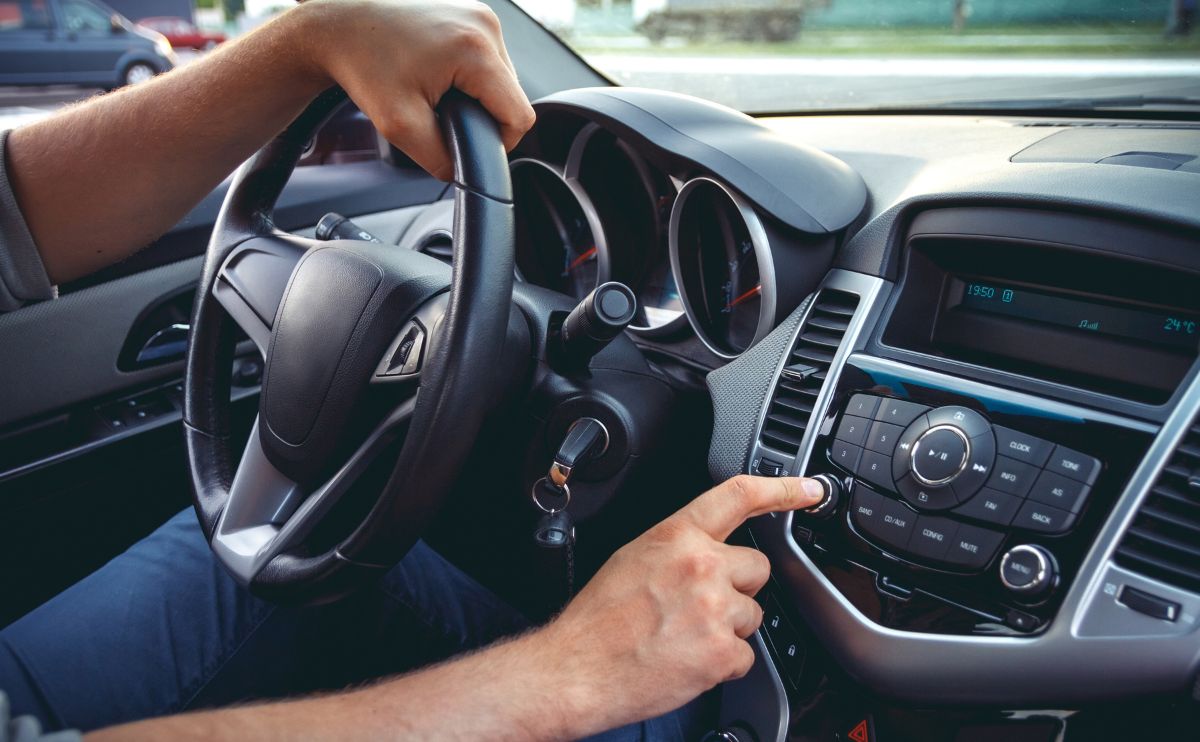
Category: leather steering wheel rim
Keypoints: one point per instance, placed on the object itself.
(454, 392)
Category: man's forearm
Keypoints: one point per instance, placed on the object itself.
(519, 689)
(103, 179)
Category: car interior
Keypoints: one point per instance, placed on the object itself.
(978, 329)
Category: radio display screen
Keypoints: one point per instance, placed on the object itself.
(1174, 329)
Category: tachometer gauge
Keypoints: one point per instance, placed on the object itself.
(558, 239)
(633, 201)
(722, 261)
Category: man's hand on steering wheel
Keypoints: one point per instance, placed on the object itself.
(396, 59)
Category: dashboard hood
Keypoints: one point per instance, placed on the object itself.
(801, 186)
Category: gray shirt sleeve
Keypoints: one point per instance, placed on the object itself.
(22, 276)
(27, 729)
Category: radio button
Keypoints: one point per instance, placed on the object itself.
(991, 506)
(1077, 466)
(864, 509)
(895, 526)
(973, 547)
(904, 446)
(925, 498)
(932, 537)
(882, 437)
(853, 429)
(845, 455)
(1057, 490)
(1011, 476)
(979, 466)
(876, 468)
(969, 421)
(862, 405)
(1017, 445)
(939, 455)
(1035, 516)
(899, 412)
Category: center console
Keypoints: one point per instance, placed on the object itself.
(1006, 436)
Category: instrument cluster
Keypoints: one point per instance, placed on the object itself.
(694, 251)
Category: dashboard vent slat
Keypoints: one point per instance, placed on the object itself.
(1163, 542)
(806, 370)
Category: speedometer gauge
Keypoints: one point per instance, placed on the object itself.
(722, 261)
(558, 239)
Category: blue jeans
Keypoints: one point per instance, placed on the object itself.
(163, 629)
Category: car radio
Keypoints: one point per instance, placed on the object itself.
(960, 496)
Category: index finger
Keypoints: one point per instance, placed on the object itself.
(725, 507)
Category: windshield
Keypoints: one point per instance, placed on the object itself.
(801, 55)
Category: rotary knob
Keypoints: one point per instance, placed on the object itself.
(828, 504)
(1028, 570)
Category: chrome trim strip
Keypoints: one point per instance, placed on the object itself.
(762, 254)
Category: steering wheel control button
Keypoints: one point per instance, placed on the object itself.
(1027, 570)
(1012, 476)
(876, 468)
(1035, 516)
(1059, 491)
(1017, 445)
(924, 497)
(845, 455)
(932, 537)
(404, 356)
(904, 446)
(939, 455)
(968, 421)
(882, 437)
(1077, 466)
(853, 430)
(1147, 604)
(899, 412)
(862, 405)
(973, 548)
(991, 506)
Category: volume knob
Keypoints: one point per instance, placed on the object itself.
(828, 504)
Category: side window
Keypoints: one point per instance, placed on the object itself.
(24, 15)
(83, 16)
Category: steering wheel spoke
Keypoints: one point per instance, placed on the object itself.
(268, 512)
(253, 280)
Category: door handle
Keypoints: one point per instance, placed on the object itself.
(168, 343)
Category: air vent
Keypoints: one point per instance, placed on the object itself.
(1163, 541)
(806, 369)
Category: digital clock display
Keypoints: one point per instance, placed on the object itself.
(1175, 329)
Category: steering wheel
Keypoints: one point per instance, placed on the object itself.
(342, 325)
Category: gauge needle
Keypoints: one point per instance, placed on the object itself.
(748, 295)
(581, 260)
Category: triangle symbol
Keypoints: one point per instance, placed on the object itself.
(859, 732)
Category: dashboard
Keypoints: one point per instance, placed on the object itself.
(987, 348)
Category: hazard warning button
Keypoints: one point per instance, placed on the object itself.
(861, 732)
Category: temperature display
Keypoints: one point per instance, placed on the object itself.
(1177, 329)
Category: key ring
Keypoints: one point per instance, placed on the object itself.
(564, 490)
